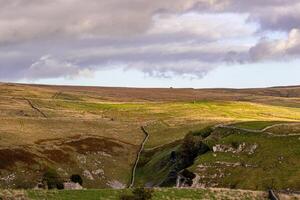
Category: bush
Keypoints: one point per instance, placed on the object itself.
(52, 179)
(60, 186)
(235, 145)
(191, 147)
(75, 178)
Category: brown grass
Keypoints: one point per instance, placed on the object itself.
(89, 145)
(9, 157)
(275, 96)
(58, 156)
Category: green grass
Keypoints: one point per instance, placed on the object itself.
(150, 171)
(181, 112)
(256, 125)
(274, 164)
(159, 194)
(162, 133)
(75, 194)
(285, 129)
(67, 96)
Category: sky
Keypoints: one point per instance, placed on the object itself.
(142, 43)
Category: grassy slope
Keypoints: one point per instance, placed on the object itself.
(115, 113)
(275, 163)
(256, 125)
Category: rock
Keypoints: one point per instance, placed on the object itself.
(98, 171)
(116, 184)
(88, 175)
(72, 186)
(252, 149)
(81, 159)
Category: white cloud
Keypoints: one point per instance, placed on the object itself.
(278, 49)
(50, 67)
(207, 26)
(163, 38)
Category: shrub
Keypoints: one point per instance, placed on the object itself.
(75, 178)
(235, 144)
(191, 147)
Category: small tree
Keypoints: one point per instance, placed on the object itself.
(52, 179)
(191, 147)
(75, 178)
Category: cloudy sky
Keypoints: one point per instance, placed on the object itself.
(151, 43)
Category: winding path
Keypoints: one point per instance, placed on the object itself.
(258, 131)
(138, 157)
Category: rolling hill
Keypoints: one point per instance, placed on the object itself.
(253, 142)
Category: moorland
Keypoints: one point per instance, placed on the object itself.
(244, 140)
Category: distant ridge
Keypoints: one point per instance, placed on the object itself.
(280, 95)
(179, 88)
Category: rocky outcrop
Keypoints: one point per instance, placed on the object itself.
(243, 147)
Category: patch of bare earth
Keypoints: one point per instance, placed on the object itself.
(87, 145)
(9, 157)
(58, 156)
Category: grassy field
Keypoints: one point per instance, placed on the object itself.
(96, 132)
(158, 194)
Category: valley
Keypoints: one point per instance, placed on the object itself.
(245, 139)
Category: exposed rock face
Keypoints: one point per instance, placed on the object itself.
(88, 174)
(116, 184)
(252, 149)
(98, 172)
(8, 178)
(196, 181)
(185, 178)
(243, 147)
(184, 157)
